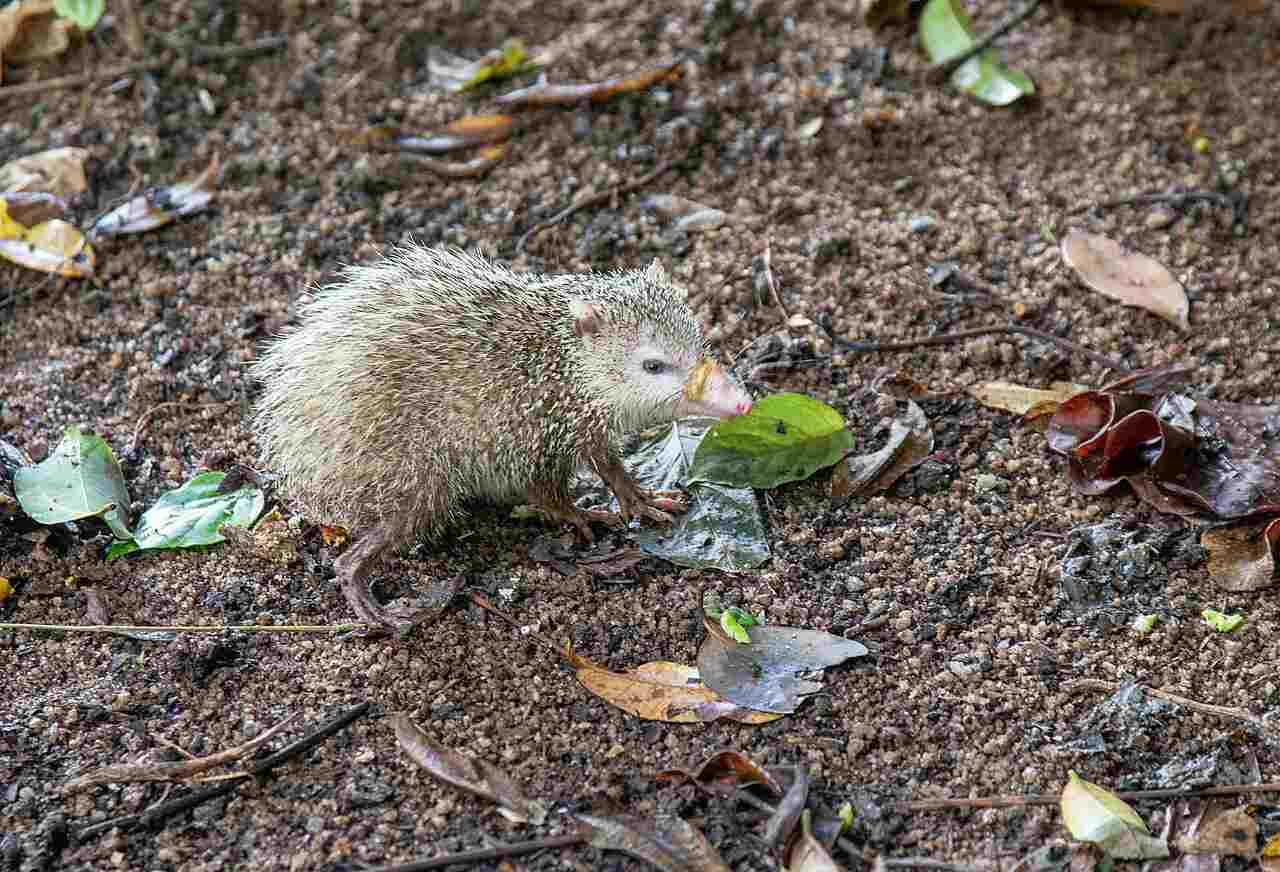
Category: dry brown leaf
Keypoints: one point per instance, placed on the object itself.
(472, 774)
(1231, 832)
(54, 247)
(724, 773)
(1019, 399)
(909, 444)
(595, 92)
(1127, 276)
(1243, 558)
(465, 132)
(486, 159)
(29, 208)
(31, 30)
(660, 691)
(671, 844)
(58, 171)
(156, 207)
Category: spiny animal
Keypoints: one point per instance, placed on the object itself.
(433, 377)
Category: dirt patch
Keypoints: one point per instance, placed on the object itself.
(973, 642)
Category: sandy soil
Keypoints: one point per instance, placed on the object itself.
(974, 643)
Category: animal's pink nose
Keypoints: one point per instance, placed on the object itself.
(744, 407)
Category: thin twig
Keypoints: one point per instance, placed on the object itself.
(1238, 203)
(187, 628)
(599, 196)
(942, 70)
(198, 55)
(947, 338)
(158, 813)
(1030, 799)
(481, 855)
(926, 863)
(1085, 684)
(180, 771)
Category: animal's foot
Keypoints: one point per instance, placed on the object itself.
(353, 569)
(581, 519)
(637, 502)
(398, 618)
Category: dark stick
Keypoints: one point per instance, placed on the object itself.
(947, 338)
(624, 188)
(158, 813)
(198, 54)
(942, 70)
(1054, 798)
(482, 854)
(1237, 203)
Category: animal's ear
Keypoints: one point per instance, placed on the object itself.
(588, 318)
(655, 273)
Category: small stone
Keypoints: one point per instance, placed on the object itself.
(159, 289)
(921, 224)
(1238, 135)
(1158, 219)
(987, 483)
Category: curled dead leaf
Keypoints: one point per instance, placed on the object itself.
(594, 92)
(1127, 276)
(1019, 399)
(724, 772)
(53, 247)
(660, 691)
(31, 30)
(471, 774)
(57, 171)
(1243, 558)
(157, 206)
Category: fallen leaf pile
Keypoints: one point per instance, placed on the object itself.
(1198, 458)
(35, 191)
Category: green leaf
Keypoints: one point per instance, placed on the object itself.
(85, 13)
(1144, 624)
(735, 622)
(1223, 623)
(944, 31)
(510, 63)
(1094, 814)
(786, 437)
(192, 515)
(80, 479)
(735, 631)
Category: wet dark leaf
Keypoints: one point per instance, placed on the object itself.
(766, 675)
(724, 773)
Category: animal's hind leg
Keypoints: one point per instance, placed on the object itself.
(353, 570)
(555, 506)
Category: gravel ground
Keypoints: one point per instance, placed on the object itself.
(974, 642)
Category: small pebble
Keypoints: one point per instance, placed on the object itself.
(922, 224)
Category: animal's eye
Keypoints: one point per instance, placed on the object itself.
(654, 366)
